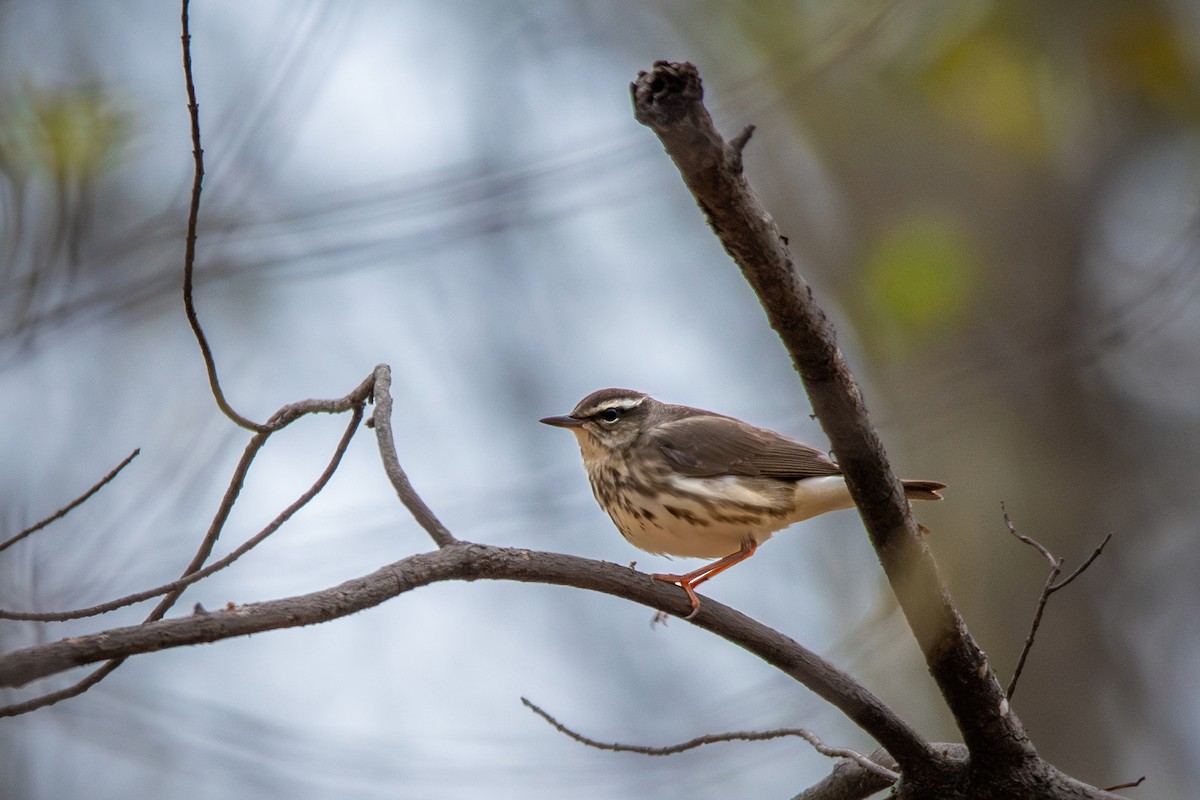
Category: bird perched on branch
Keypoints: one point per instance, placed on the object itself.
(682, 481)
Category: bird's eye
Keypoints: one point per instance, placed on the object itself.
(610, 415)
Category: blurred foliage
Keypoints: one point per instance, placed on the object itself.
(921, 278)
(991, 84)
(70, 134)
(56, 144)
(1146, 53)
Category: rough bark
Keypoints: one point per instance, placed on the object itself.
(669, 100)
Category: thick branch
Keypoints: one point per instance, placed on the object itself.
(464, 561)
(668, 99)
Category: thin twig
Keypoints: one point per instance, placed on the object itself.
(1050, 588)
(382, 421)
(293, 411)
(74, 690)
(739, 142)
(193, 571)
(699, 741)
(216, 566)
(189, 256)
(1095, 554)
(1128, 785)
(279, 419)
(232, 491)
(83, 498)
(1031, 542)
(1033, 629)
(164, 605)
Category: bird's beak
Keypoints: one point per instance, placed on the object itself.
(562, 422)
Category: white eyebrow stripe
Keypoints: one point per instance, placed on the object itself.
(625, 403)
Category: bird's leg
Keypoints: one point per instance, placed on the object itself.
(689, 581)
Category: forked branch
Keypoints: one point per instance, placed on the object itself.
(195, 570)
(223, 511)
(1052, 586)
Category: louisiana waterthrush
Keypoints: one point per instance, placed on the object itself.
(681, 481)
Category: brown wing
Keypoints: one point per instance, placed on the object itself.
(707, 445)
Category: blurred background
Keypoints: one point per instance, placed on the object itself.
(997, 203)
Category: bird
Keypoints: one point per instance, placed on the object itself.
(682, 481)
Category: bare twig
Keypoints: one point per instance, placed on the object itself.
(1027, 540)
(189, 256)
(216, 566)
(699, 741)
(224, 509)
(293, 411)
(74, 690)
(1050, 588)
(739, 142)
(193, 572)
(164, 605)
(279, 419)
(62, 512)
(1087, 563)
(1129, 785)
(847, 781)
(382, 421)
(1033, 629)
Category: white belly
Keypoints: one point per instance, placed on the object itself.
(712, 517)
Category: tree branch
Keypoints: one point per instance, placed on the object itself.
(467, 561)
(189, 254)
(1127, 784)
(713, 738)
(194, 571)
(668, 99)
(851, 780)
(1050, 588)
(69, 507)
(382, 422)
(200, 574)
(74, 690)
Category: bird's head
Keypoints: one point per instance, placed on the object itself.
(607, 421)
